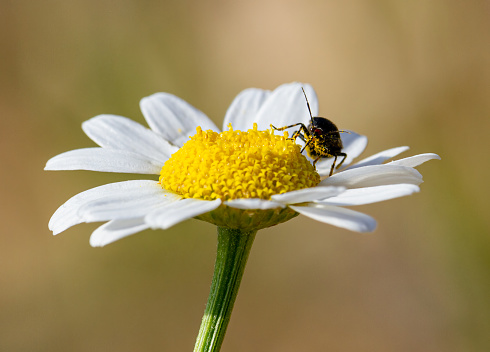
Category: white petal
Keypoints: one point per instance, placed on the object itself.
(374, 175)
(380, 157)
(115, 230)
(174, 118)
(415, 160)
(108, 160)
(340, 217)
(367, 195)
(253, 203)
(67, 215)
(286, 105)
(307, 194)
(117, 132)
(243, 110)
(353, 145)
(125, 205)
(169, 215)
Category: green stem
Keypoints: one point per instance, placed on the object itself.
(232, 254)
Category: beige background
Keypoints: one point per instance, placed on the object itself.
(402, 72)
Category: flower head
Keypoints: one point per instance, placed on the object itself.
(247, 177)
(235, 164)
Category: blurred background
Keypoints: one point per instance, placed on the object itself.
(411, 73)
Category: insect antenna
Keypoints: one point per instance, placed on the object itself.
(339, 131)
(307, 104)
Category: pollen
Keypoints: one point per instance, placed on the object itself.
(235, 164)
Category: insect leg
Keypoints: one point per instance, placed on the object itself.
(295, 134)
(305, 136)
(345, 156)
(286, 127)
(301, 135)
(314, 162)
(298, 134)
(333, 165)
(307, 143)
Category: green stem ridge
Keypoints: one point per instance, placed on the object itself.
(233, 248)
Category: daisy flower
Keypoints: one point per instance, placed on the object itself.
(248, 177)
(213, 174)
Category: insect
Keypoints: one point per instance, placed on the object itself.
(321, 137)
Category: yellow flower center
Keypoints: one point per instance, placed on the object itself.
(236, 164)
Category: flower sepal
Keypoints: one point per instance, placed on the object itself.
(247, 219)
